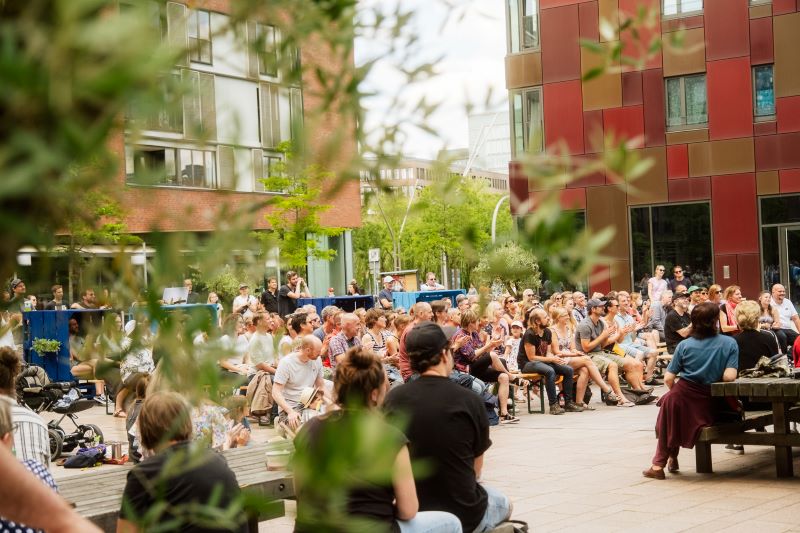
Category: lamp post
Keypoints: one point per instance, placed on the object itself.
(494, 216)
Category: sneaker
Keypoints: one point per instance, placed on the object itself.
(508, 418)
(736, 449)
(556, 409)
(100, 398)
(573, 407)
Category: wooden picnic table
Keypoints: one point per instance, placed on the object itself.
(98, 495)
(782, 393)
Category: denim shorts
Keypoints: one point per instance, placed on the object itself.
(498, 510)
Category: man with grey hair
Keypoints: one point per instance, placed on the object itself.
(789, 321)
(462, 302)
(420, 312)
(297, 371)
(329, 316)
(579, 312)
(345, 339)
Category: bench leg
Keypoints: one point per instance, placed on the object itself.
(702, 454)
(783, 454)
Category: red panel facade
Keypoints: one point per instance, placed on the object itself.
(632, 88)
(677, 161)
(625, 123)
(781, 7)
(761, 41)
(722, 261)
(544, 4)
(518, 186)
(790, 180)
(788, 113)
(654, 114)
(734, 215)
(686, 190)
(563, 116)
(589, 21)
(749, 275)
(593, 131)
(727, 24)
(561, 55)
(774, 152)
(765, 128)
(730, 97)
(629, 9)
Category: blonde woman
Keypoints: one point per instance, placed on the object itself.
(715, 294)
(657, 284)
(563, 345)
(727, 310)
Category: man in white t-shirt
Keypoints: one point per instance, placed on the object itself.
(297, 371)
(261, 348)
(243, 301)
(790, 322)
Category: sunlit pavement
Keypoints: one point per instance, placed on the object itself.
(582, 472)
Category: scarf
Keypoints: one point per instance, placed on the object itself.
(730, 309)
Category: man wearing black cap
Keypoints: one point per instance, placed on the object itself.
(448, 433)
(678, 324)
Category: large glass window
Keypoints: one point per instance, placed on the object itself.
(763, 92)
(677, 234)
(199, 28)
(523, 25)
(686, 101)
(176, 167)
(526, 121)
(267, 38)
(673, 8)
(270, 170)
(169, 116)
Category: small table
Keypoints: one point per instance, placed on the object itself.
(782, 393)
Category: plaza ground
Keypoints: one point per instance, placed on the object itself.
(582, 472)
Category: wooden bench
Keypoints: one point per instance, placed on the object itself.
(98, 495)
(736, 433)
(537, 379)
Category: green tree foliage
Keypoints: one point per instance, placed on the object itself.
(294, 216)
(511, 265)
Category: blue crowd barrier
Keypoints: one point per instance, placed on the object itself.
(346, 303)
(407, 299)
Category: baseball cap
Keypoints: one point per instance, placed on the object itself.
(14, 283)
(517, 324)
(594, 302)
(388, 279)
(428, 338)
(243, 285)
(692, 289)
(680, 295)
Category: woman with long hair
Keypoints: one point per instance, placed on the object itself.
(657, 284)
(770, 320)
(360, 389)
(715, 294)
(727, 310)
(377, 338)
(702, 359)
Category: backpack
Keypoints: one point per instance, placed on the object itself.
(86, 457)
(638, 399)
(490, 403)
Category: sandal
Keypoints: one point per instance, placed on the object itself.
(587, 407)
(119, 413)
(625, 403)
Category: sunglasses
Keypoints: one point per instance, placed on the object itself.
(511, 301)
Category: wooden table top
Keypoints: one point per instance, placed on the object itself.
(768, 388)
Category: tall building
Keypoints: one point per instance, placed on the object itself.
(243, 107)
(719, 117)
(490, 141)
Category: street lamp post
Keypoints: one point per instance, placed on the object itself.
(494, 216)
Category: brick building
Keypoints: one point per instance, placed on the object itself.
(720, 118)
(243, 107)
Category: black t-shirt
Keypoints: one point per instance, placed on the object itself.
(753, 345)
(673, 283)
(53, 306)
(672, 323)
(270, 301)
(365, 498)
(541, 342)
(286, 305)
(193, 298)
(194, 478)
(447, 429)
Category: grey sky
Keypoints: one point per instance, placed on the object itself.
(470, 39)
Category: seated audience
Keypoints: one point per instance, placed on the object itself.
(790, 322)
(753, 343)
(378, 339)
(629, 341)
(448, 433)
(360, 388)
(678, 324)
(658, 313)
(172, 484)
(701, 360)
(727, 310)
(715, 294)
(770, 320)
(297, 371)
(347, 338)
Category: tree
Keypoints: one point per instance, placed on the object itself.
(295, 213)
(510, 264)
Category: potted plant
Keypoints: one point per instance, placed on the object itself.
(46, 346)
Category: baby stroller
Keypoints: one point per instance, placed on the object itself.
(38, 393)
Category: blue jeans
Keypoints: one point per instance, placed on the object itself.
(431, 522)
(549, 371)
(462, 378)
(498, 510)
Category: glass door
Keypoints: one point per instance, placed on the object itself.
(790, 261)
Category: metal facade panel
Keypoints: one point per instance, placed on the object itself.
(788, 113)
(625, 123)
(561, 55)
(685, 190)
(563, 116)
(732, 156)
(727, 24)
(761, 41)
(730, 98)
(787, 55)
(689, 58)
(677, 161)
(651, 187)
(523, 70)
(654, 113)
(632, 88)
(734, 214)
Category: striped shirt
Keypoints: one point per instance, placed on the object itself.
(31, 440)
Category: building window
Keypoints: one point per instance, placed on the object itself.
(169, 117)
(669, 235)
(280, 114)
(527, 133)
(174, 167)
(267, 39)
(679, 8)
(686, 102)
(271, 174)
(523, 25)
(199, 27)
(763, 92)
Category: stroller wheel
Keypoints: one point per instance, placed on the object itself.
(55, 444)
(89, 433)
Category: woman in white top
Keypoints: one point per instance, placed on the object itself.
(563, 345)
(657, 284)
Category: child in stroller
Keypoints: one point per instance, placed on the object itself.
(38, 393)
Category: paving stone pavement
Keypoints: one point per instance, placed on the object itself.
(582, 472)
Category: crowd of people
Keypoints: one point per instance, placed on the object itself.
(447, 369)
